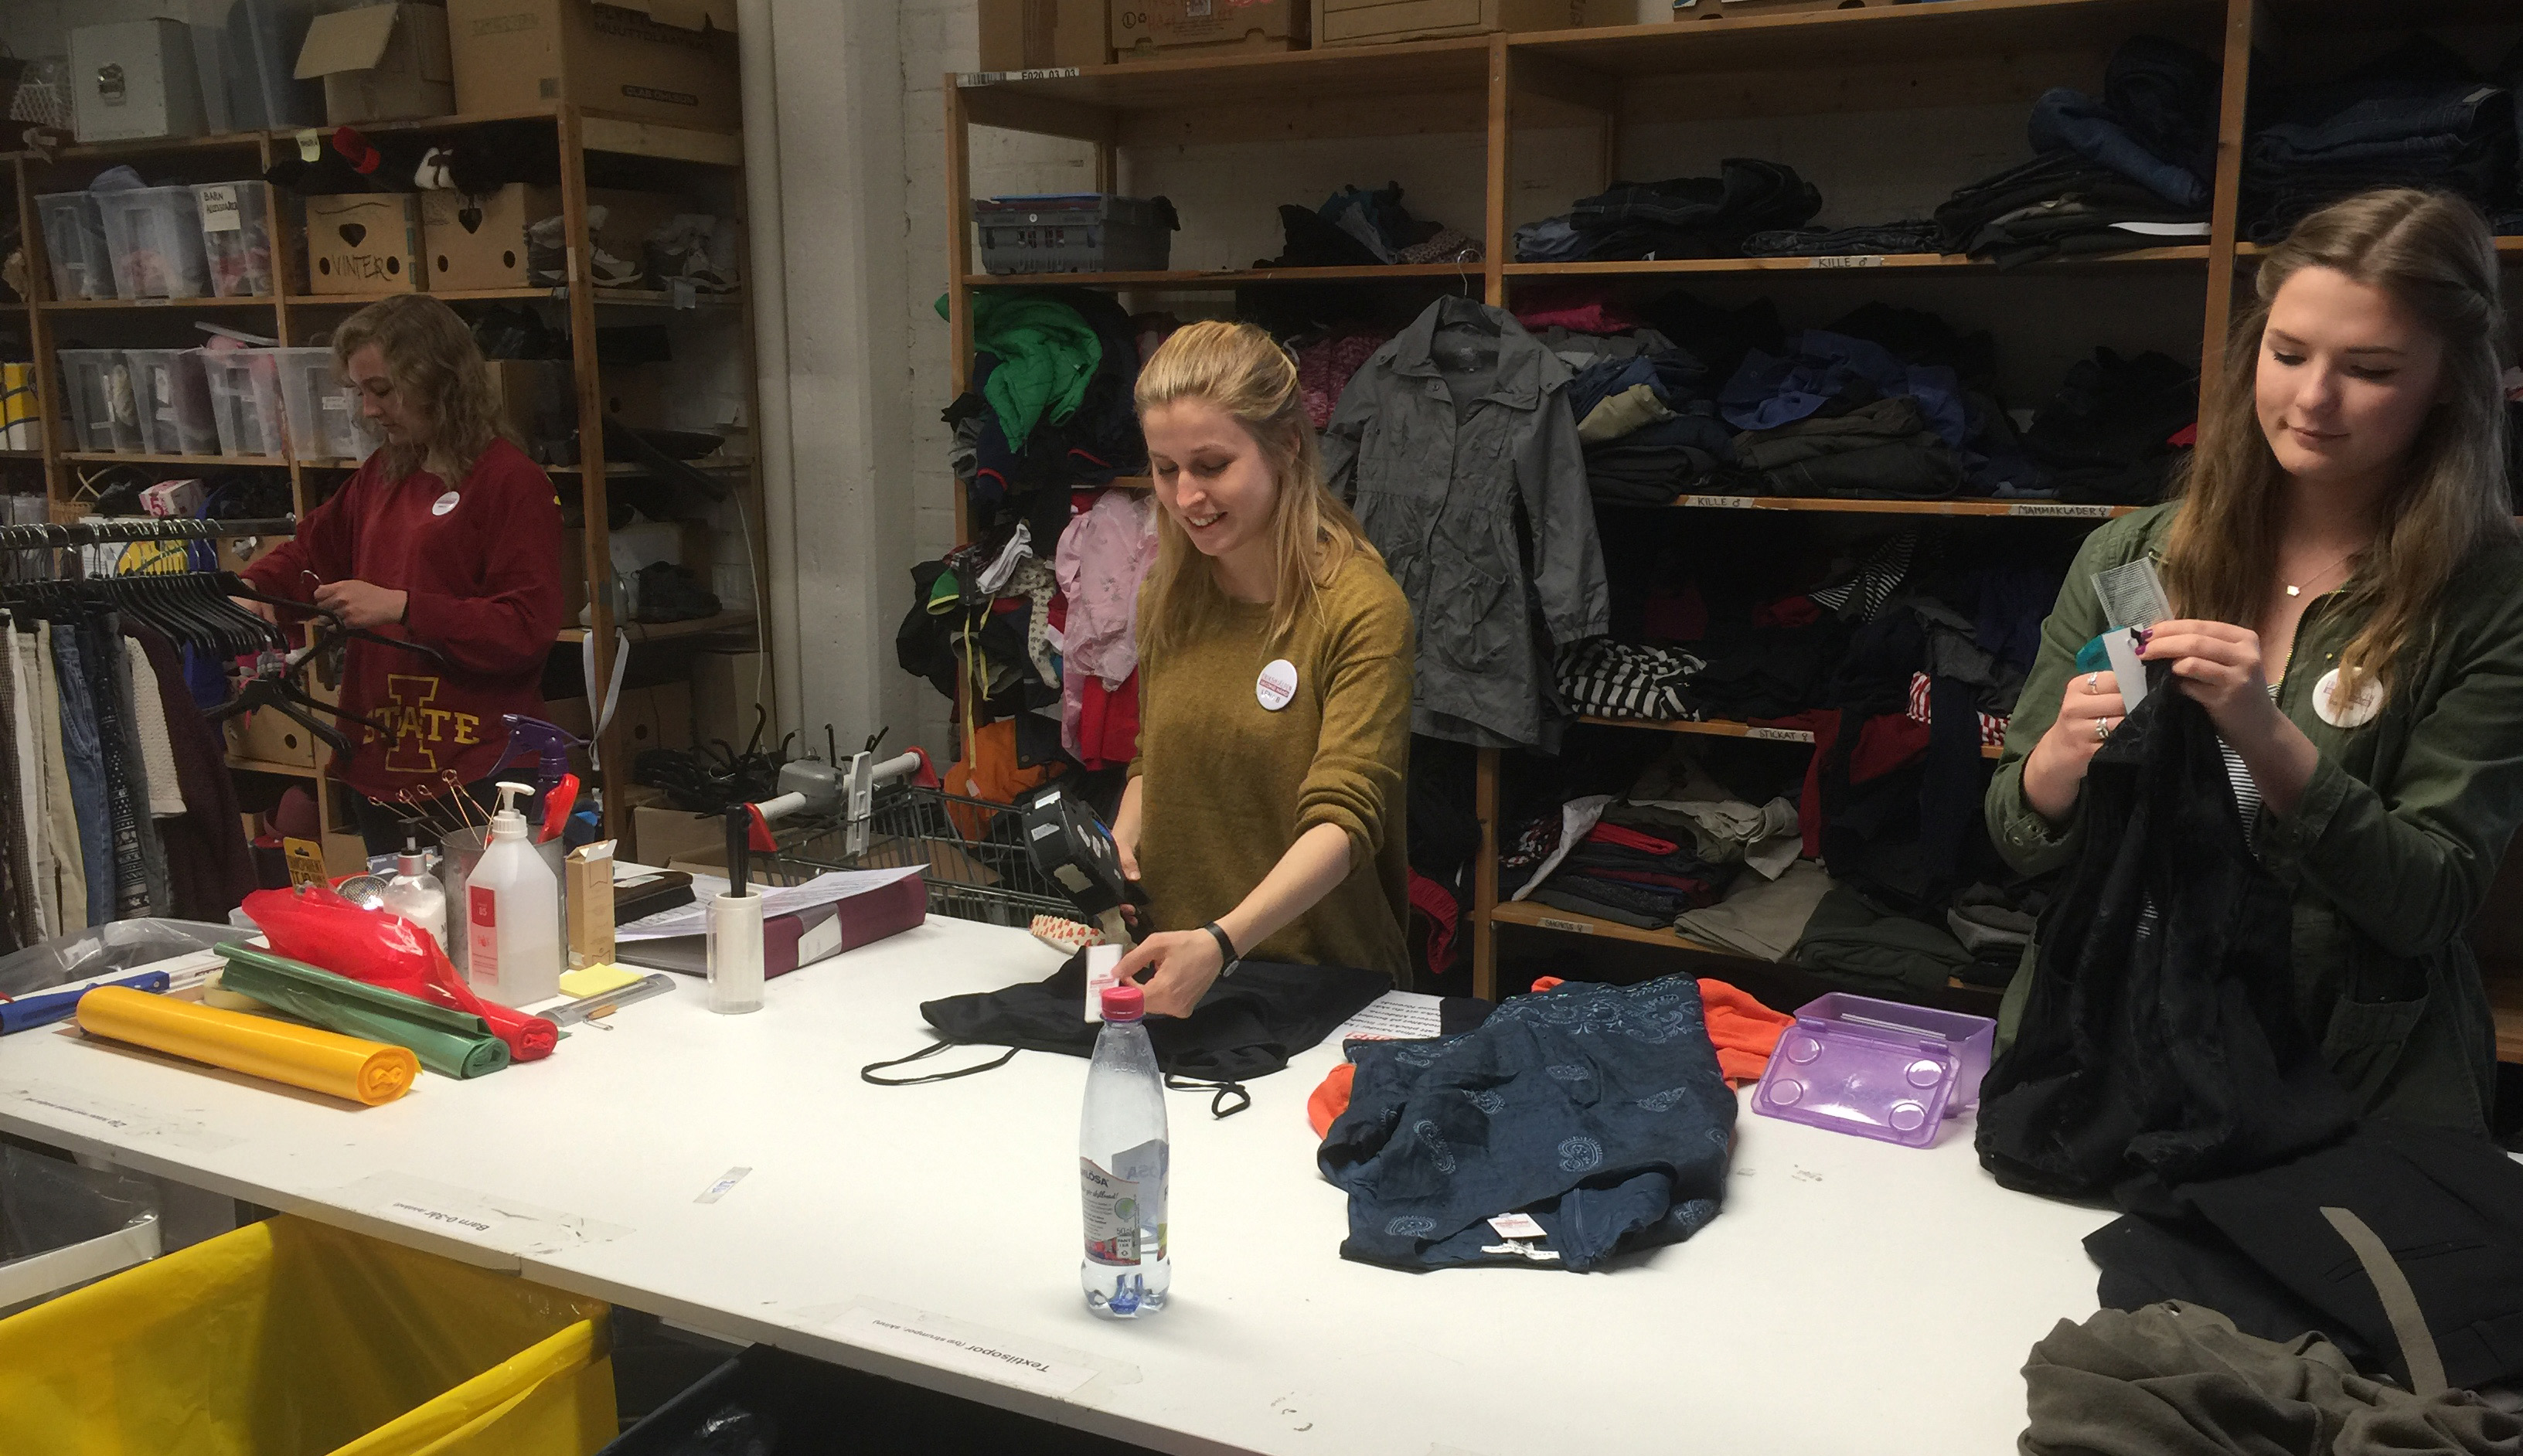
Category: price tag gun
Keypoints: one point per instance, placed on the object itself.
(1072, 846)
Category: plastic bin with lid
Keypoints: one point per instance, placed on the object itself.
(245, 400)
(105, 413)
(236, 236)
(323, 409)
(288, 1337)
(154, 235)
(173, 388)
(1075, 233)
(62, 1226)
(74, 245)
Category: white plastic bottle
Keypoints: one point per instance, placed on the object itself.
(1122, 1163)
(417, 895)
(512, 914)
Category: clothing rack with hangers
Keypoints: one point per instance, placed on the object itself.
(156, 528)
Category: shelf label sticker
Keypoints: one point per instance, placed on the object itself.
(1547, 923)
(79, 1112)
(480, 1218)
(2049, 508)
(968, 80)
(1847, 261)
(945, 1343)
(1780, 734)
(1722, 502)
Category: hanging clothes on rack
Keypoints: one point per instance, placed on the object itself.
(1465, 385)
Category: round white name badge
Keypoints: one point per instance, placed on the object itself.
(1277, 685)
(443, 503)
(2369, 701)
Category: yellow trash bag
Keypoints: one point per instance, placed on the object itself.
(290, 1338)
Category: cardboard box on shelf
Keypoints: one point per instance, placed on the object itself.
(480, 242)
(1043, 35)
(659, 716)
(670, 61)
(724, 687)
(661, 835)
(636, 394)
(135, 80)
(1377, 22)
(536, 399)
(364, 242)
(270, 736)
(1158, 30)
(380, 63)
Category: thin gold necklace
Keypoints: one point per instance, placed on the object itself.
(2295, 590)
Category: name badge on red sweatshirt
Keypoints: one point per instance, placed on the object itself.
(444, 503)
(1277, 685)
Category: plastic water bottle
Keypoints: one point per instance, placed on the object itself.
(1122, 1162)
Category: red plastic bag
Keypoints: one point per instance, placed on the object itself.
(316, 925)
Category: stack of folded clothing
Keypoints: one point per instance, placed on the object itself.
(1354, 228)
(1883, 450)
(2415, 117)
(1679, 217)
(1632, 874)
(1677, 795)
(1996, 926)
(2107, 436)
(1753, 673)
(1909, 235)
(2131, 170)
(1825, 373)
(1647, 432)
(1626, 680)
(1759, 919)
(1049, 407)
(1853, 941)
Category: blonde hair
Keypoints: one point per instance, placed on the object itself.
(1243, 371)
(2432, 252)
(436, 367)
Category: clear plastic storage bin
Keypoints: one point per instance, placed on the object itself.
(173, 388)
(236, 236)
(155, 237)
(105, 412)
(74, 243)
(323, 408)
(245, 400)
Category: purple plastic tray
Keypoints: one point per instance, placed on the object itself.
(1875, 1069)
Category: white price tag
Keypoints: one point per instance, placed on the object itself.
(1518, 1225)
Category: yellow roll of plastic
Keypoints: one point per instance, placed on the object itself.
(342, 1067)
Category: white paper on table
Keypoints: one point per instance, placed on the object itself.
(828, 888)
(1394, 1016)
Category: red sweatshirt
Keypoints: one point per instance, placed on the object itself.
(483, 567)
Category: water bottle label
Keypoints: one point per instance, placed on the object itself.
(1111, 1215)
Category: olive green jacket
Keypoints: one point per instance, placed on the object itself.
(2390, 850)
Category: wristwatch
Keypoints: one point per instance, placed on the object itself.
(1227, 959)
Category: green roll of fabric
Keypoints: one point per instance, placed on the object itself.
(450, 1043)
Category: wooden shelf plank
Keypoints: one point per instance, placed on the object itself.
(1189, 278)
(661, 631)
(1718, 728)
(2018, 509)
(1845, 263)
(450, 295)
(2506, 1008)
(287, 771)
(229, 462)
(1877, 37)
(109, 305)
(656, 139)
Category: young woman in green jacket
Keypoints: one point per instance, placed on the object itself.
(2344, 560)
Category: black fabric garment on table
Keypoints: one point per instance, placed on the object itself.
(1597, 1109)
(2446, 1204)
(2164, 1043)
(209, 866)
(1249, 1024)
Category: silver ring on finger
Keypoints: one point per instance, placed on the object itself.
(2093, 681)
(2102, 728)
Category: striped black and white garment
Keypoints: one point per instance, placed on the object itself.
(1606, 678)
(1863, 591)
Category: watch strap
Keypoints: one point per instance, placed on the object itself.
(1227, 959)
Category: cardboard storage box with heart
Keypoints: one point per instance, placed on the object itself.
(480, 242)
(364, 242)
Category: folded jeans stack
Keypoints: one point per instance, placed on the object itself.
(1679, 218)
(1880, 449)
(2415, 117)
(1624, 873)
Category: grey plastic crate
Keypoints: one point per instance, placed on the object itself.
(1075, 233)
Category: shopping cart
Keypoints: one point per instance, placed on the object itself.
(971, 851)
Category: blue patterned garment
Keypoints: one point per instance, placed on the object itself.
(1598, 1111)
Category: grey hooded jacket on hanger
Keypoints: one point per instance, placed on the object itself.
(1442, 434)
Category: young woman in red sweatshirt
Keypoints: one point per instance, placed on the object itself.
(446, 534)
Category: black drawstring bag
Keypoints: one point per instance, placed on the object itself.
(1249, 1024)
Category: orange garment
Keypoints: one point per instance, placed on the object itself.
(1743, 1031)
(988, 772)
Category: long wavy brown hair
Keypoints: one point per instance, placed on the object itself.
(431, 357)
(1243, 371)
(2434, 254)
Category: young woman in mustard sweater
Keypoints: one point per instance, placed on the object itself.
(1264, 811)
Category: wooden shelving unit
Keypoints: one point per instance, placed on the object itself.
(693, 164)
(1494, 90)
